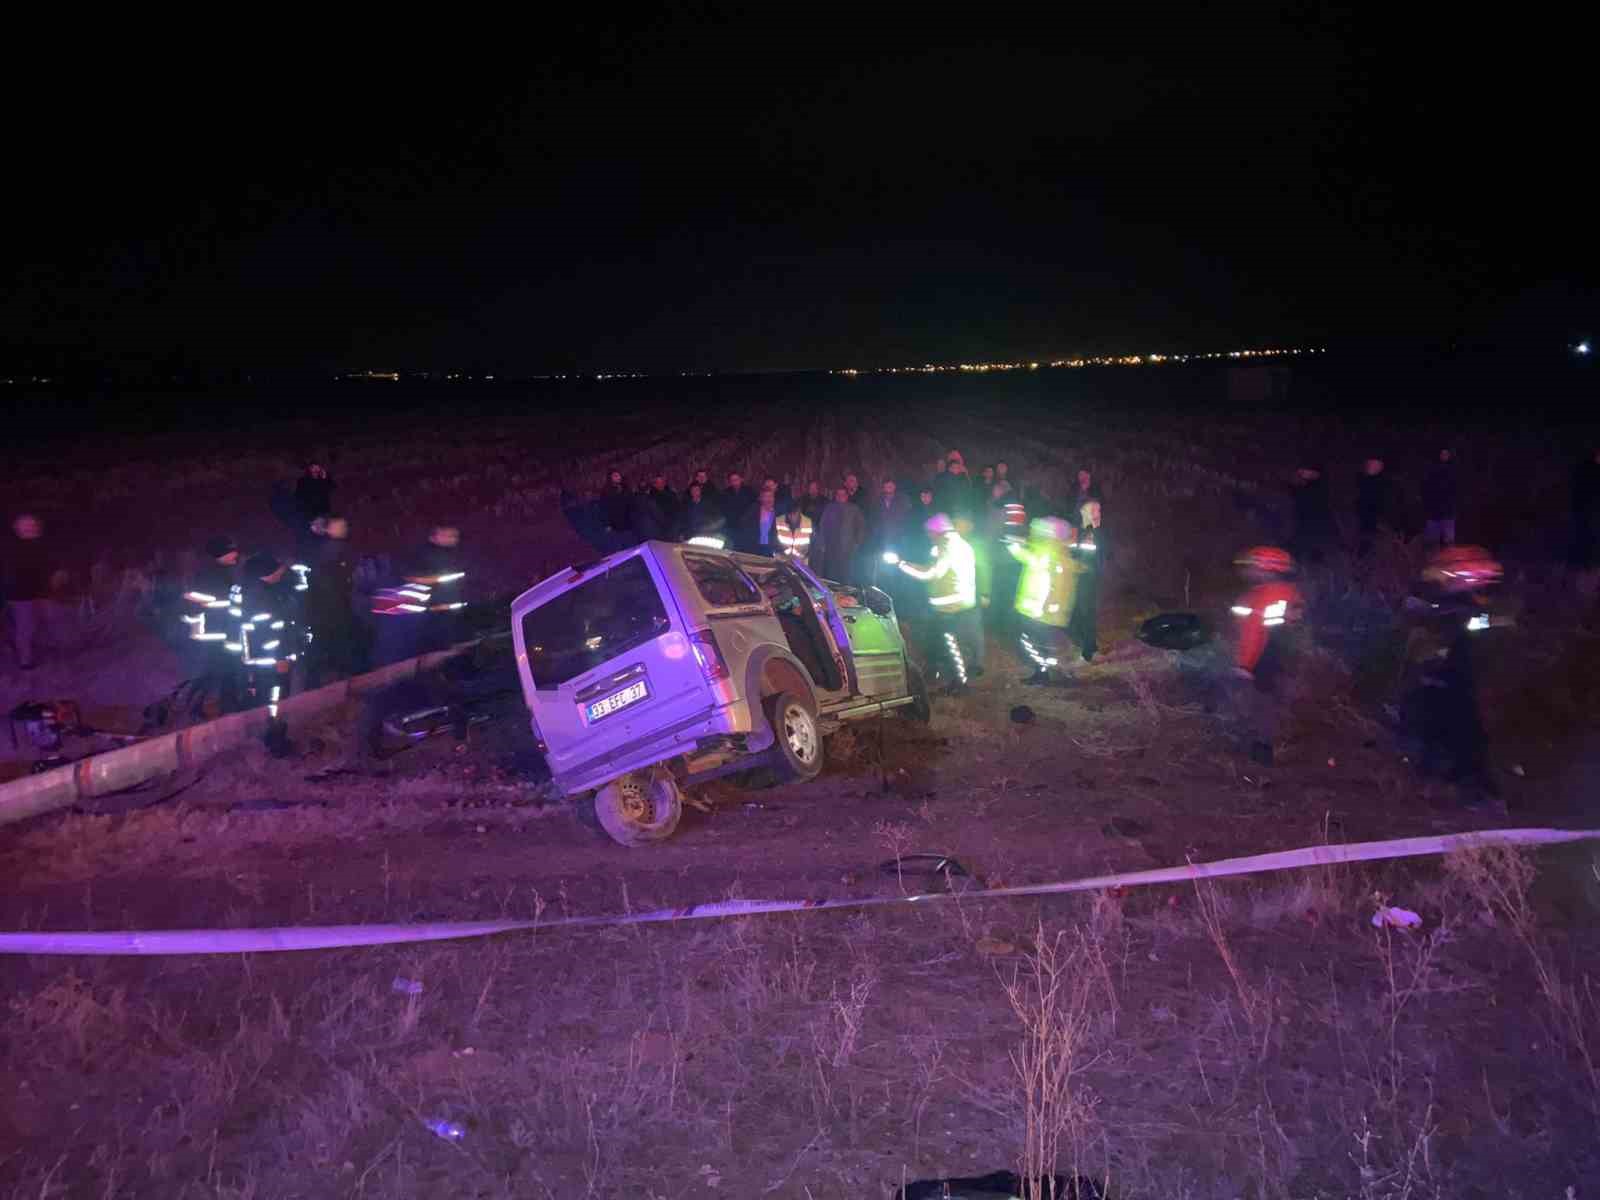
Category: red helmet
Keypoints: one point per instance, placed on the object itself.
(1269, 560)
(1461, 569)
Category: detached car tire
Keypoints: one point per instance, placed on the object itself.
(639, 809)
(797, 738)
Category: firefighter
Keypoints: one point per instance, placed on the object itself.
(438, 571)
(1441, 702)
(1261, 660)
(271, 631)
(421, 612)
(794, 531)
(212, 610)
(953, 600)
(1045, 597)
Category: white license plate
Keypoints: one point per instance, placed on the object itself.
(631, 694)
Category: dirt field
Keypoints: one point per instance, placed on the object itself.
(1252, 1039)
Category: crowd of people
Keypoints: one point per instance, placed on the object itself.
(966, 556)
(964, 536)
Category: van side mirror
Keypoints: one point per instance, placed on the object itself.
(877, 600)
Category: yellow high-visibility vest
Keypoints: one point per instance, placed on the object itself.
(795, 543)
(1049, 582)
(953, 578)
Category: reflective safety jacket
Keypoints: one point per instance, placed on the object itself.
(952, 578)
(433, 585)
(211, 605)
(1049, 583)
(268, 633)
(794, 542)
(1257, 613)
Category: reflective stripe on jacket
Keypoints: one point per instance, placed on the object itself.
(952, 579)
(796, 543)
(1258, 612)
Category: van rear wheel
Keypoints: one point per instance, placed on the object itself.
(639, 808)
(921, 707)
(797, 739)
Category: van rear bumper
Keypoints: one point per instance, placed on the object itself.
(678, 738)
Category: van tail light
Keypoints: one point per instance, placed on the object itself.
(708, 655)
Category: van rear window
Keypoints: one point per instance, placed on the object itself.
(590, 625)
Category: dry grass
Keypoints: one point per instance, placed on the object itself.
(1160, 1050)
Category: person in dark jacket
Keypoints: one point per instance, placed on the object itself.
(779, 490)
(313, 494)
(840, 535)
(29, 576)
(614, 503)
(924, 508)
(708, 490)
(887, 517)
(336, 650)
(813, 502)
(1084, 489)
(953, 490)
(757, 530)
(646, 518)
(737, 499)
(1586, 511)
(854, 490)
(700, 517)
(1372, 503)
(1313, 515)
(666, 500)
(1439, 500)
(1088, 551)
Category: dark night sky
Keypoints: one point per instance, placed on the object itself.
(697, 193)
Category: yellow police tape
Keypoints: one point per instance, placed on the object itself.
(327, 937)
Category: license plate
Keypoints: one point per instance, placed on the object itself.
(631, 694)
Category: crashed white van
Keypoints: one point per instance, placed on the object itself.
(666, 665)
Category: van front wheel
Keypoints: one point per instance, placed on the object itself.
(797, 743)
(639, 808)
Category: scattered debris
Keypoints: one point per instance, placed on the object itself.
(406, 987)
(992, 947)
(1174, 631)
(450, 1131)
(1396, 918)
(1022, 715)
(938, 865)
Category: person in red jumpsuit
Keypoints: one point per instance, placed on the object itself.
(1261, 666)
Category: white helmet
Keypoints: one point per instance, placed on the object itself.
(1090, 512)
(1054, 528)
(939, 524)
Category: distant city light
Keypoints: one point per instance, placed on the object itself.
(1118, 360)
(1582, 347)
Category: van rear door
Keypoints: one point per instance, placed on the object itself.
(609, 662)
